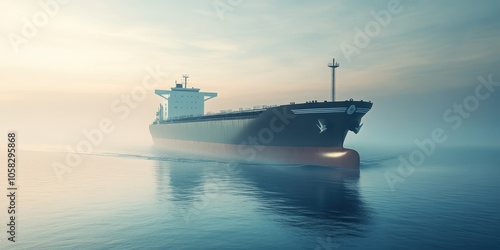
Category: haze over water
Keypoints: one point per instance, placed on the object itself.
(147, 199)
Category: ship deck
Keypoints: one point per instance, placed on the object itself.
(245, 114)
(253, 113)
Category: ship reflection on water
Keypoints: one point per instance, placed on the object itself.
(311, 197)
(324, 200)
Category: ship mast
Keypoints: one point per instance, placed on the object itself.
(185, 80)
(333, 65)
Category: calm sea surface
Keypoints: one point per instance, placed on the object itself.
(142, 198)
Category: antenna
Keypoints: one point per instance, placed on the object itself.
(185, 80)
(333, 65)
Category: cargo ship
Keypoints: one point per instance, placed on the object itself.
(309, 133)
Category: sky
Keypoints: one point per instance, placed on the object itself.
(65, 64)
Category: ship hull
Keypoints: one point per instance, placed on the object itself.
(306, 134)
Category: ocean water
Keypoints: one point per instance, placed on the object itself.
(146, 199)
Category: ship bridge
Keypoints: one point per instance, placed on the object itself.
(181, 101)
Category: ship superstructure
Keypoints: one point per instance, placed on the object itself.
(181, 101)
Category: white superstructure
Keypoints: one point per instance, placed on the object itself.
(181, 101)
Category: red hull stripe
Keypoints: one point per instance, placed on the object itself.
(320, 156)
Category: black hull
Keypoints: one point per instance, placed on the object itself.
(295, 133)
